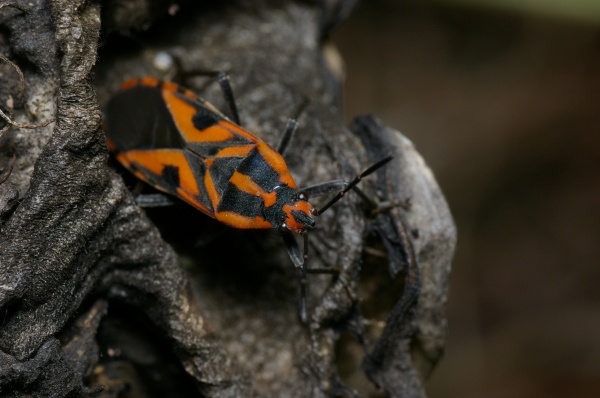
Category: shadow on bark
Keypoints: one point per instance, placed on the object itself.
(93, 297)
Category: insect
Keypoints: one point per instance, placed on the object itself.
(182, 145)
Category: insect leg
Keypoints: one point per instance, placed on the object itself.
(150, 199)
(225, 85)
(300, 261)
(286, 137)
(292, 124)
(182, 75)
(153, 200)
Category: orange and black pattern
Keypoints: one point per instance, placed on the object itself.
(182, 145)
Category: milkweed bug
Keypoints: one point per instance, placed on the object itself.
(182, 145)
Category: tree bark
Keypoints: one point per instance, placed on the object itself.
(98, 296)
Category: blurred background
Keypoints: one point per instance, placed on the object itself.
(502, 98)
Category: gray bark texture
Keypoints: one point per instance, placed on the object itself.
(101, 298)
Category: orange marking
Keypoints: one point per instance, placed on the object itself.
(237, 151)
(209, 184)
(155, 161)
(111, 145)
(246, 184)
(183, 113)
(149, 81)
(238, 221)
(129, 83)
(126, 162)
(214, 133)
(122, 158)
(291, 222)
(234, 128)
(190, 94)
(169, 86)
(300, 205)
(270, 199)
(276, 161)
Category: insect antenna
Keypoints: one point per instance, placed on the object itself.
(352, 184)
(301, 260)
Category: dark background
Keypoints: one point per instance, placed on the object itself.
(504, 104)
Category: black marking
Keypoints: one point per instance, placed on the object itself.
(241, 202)
(184, 92)
(221, 171)
(137, 118)
(248, 205)
(199, 169)
(210, 149)
(171, 176)
(259, 170)
(164, 181)
(204, 118)
(303, 219)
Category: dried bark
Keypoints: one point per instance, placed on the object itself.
(84, 271)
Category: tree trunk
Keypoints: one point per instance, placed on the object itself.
(100, 297)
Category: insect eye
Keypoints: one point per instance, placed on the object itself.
(302, 196)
